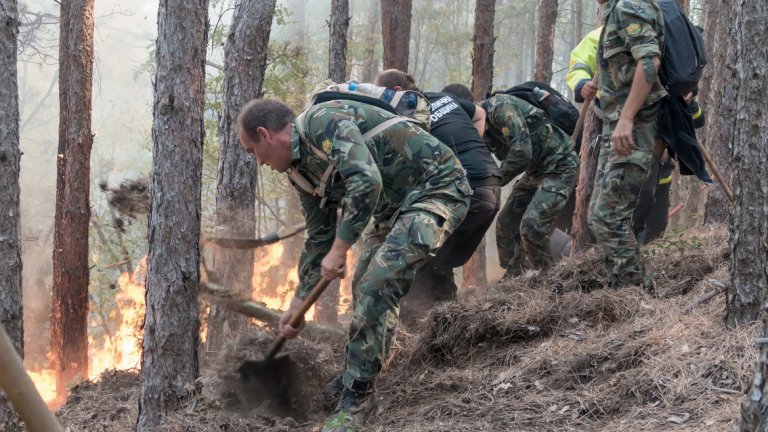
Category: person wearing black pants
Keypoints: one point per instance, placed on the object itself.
(459, 123)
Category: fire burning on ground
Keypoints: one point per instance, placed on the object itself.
(115, 339)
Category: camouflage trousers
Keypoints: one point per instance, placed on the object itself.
(526, 221)
(616, 192)
(390, 258)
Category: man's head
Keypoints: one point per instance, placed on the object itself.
(264, 127)
(458, 90)
(395, 79)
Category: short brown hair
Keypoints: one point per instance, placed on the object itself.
(392, 78)
(270, 114)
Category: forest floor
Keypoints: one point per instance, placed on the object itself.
(543, 352)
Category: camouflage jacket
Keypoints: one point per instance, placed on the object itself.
(401, 168)
(634, 32)
(520, 136)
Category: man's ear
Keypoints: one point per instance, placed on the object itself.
(398, 88)
(261, 133)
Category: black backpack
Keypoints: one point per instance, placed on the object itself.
(560, 111)
(684, 57)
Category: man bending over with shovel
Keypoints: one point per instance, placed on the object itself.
(373, 165)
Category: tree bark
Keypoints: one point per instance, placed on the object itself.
(169, 364)
(722, 100)
(578, 19)
(245, 62)
(11, 313)
(69, 326)
(483, 48)
(545, 41)
(327, 306)
(337, 43)
(396, 33)
(475, 270)
(581, 235)
(370, 64)
(749, 233)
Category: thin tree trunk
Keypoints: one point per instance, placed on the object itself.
(749, 233)
(531, 44)
(396, 33)
(370, 65)
(578, 19)
(722, 101)
(337, 42)
(245, 62)
(545, 41)
(483, 48)
(11, 313)
(169, 364)
(580, 236)
(475, 270)
(327, 307)
(693, 206)
(69, 326)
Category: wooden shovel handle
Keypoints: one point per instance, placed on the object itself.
(296, 319)
(715, 171)
(21, 391)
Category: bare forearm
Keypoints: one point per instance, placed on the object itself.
(641, 86)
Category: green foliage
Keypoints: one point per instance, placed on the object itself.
(674, 241)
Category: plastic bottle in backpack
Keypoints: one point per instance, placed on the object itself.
(385, 94)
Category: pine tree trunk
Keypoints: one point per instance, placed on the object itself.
(580, 235)
(475, 270)
(483, 48)
(245, 62)
(749, 235)
(578, 19)
(327, 307)
(722, 104)
(545, 41)
(531, 44)
(370, 64)
(337, 45)
(169, 365)
(69, 326)
(396, 33)
(11, 312)
(749, 232)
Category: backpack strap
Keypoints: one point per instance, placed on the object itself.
(384, 125)
(319, 190)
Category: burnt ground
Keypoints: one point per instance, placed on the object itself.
(542, 352)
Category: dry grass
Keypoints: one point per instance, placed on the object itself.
(543, 352)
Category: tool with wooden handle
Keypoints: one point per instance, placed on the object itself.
(252, 243)
(272, 367)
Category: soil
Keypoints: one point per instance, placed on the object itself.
(546, 351)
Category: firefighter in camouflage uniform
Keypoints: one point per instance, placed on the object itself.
(629, 55)
(522, 138)
(377, 167)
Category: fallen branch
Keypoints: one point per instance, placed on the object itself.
(222, 297)
(719, 287)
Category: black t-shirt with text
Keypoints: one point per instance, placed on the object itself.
(451, 123)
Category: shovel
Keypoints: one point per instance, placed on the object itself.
(272, 369)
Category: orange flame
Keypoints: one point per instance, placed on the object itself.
(45, 381)
(274, 281)
(121, 349)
